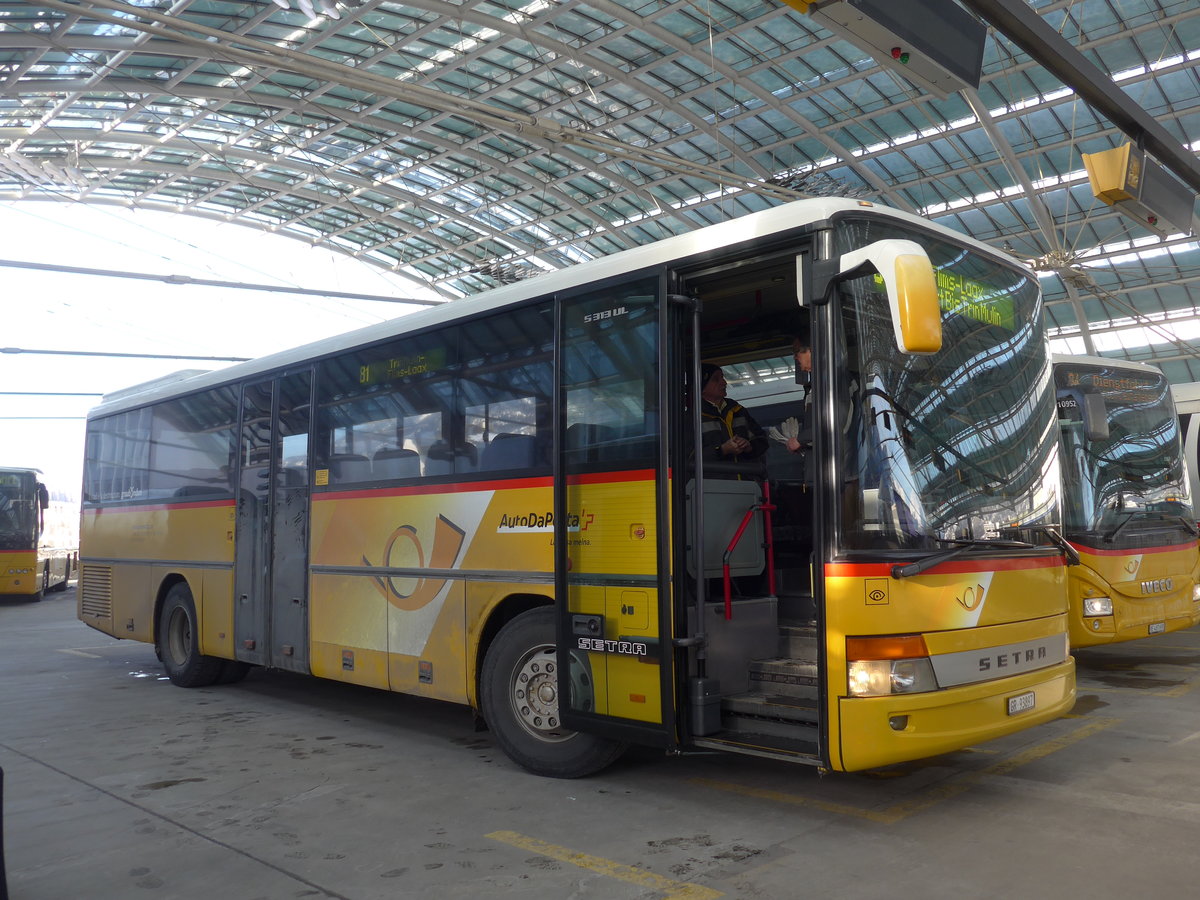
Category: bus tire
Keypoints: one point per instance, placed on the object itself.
(523, 655)
(232, 671)
(179, 641)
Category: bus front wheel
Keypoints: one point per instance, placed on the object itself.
(178, 643)
(519, 700)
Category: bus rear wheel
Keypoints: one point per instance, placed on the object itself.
(178, 641)
(519, 700)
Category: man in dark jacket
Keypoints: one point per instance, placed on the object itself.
(728, 432)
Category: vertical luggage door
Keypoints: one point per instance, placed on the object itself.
(271, 568)
(611, 530)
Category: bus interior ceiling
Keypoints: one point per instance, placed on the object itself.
(749, 310)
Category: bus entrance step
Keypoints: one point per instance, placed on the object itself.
(796, 678)
(798, 751)
(779, 720)
(750, 708)
(798, 640)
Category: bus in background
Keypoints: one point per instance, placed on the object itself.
(1127, 502)
(505, 502)
(1187, 404)
(38, 535)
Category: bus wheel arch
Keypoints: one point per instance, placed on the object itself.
(518, 694)
(503, 613)
(177, 637)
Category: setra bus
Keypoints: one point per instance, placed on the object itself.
(498, 502)
(1126, 499)
(37, 535)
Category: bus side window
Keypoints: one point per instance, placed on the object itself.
(396, 462)
(348, 467)
(509, 451)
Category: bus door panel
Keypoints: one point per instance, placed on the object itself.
(252, 547)
(610, 530)
(270, 571)
(289, 526)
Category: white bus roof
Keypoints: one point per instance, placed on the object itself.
(753, 226)
(1106, 361)
(1186, 394)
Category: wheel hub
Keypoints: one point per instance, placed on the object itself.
(535, 694)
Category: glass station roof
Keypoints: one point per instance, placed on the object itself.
(469, 144)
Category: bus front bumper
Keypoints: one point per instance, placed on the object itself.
(879, 731)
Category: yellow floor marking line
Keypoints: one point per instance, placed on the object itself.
(671, 890)
(951, 788)
(81, 653)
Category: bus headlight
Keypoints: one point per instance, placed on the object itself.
(878, 667)
(1196, 593)
(1097, 606)
(880, 677)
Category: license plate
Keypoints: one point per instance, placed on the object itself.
(1021, 703)
(1158, 627)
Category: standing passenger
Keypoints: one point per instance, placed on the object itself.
(727, 431)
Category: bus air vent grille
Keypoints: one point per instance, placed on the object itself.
(95, 591)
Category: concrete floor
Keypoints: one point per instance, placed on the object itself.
(119, 785)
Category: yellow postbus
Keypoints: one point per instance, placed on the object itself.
(37, 535)
(1127, 503)
(498, 502)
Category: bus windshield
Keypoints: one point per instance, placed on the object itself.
(1124, 481)
(18, 516)
(951, 446)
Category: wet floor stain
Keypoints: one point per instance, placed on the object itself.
(1087, 703)
(1138, 682)
(160, 785)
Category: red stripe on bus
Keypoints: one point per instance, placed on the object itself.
(951, 567)
(461, 487)
(1190, 546)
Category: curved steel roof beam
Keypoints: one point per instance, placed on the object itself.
(768, 99)
(563, 51)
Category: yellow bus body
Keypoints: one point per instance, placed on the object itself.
(27, 573)
(960, 608)
(156, 542)
(497, 537)
(1151, 591)
(396, 632)
(20, 572)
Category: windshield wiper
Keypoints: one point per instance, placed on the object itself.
(1112, 535)
(1058, 541)
(1188, 525)
(960, 547)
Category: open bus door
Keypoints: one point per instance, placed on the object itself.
(271, 609)
(612, 533)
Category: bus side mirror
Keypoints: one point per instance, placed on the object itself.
(911, 290)
(43, 496)
(1095, 417)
